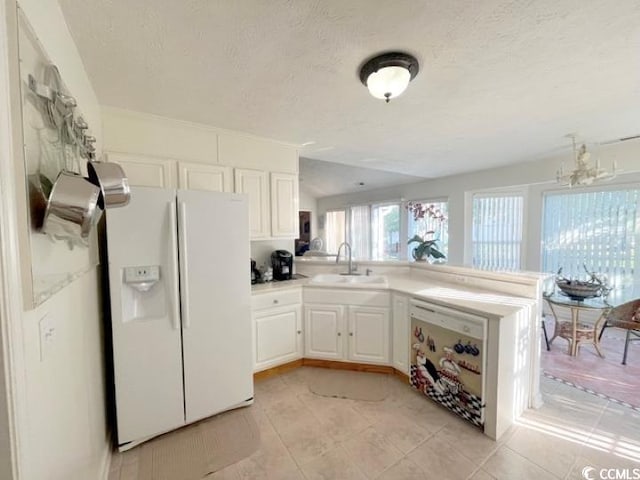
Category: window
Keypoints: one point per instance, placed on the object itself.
(496, 232)
(335, 229)
(379, 231)
(439, 227)
(599, 229)
(385, 232)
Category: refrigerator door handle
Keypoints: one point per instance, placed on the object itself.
(174, 265)
(184, 273)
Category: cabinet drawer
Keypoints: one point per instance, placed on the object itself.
(275, 299)
(370, 298)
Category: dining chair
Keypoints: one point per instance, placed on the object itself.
(626, 316)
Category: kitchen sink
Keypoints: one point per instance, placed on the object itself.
(350, 281)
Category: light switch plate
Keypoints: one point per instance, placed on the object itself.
(47, 336)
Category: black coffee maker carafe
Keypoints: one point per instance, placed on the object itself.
(255, 273)
(282, 263)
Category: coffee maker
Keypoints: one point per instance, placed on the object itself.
(282, 263)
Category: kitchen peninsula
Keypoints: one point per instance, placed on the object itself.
(367, 325)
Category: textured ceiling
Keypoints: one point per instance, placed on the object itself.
(322, 179)
(501, 81)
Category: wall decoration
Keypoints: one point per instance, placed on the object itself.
(57, 144)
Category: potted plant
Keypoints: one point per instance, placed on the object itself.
(427, 245)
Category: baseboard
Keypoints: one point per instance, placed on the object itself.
(401, 375)
(106, 459)
(358, 367)
(334, 364)
(280, 369)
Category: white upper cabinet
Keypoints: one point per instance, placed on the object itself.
(200, 176)
(284, 205)
(254, 184)
(146, 171)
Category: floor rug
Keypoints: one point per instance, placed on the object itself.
(371, 387)
(195, 451)
(589, 372)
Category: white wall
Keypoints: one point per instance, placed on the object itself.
(140, 133)
(62, 420)
(535, 177)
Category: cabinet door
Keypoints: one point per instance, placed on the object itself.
(400, 304)
(278, 336)
(199, 176)
(254, 184)
(323, 327)
(284, 205)
(369, 334)
(146, 171)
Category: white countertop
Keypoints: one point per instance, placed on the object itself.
(278, 285)
(473, 300)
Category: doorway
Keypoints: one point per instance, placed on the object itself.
(304, 233)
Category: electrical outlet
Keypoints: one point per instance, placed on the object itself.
(47, 336)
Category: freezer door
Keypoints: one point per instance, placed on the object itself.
(215, 298)
(145, 314)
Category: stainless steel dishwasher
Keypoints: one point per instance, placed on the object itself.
(448, 358)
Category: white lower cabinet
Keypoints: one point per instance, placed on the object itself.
(277, 329)
(400, 308)
(324, 325)
(354, 332)
(368, 334)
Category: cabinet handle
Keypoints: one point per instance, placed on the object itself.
(351, 334)
(299, 332)
(339, 334)
(275, 301)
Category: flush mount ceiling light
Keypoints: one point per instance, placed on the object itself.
(584, 172)
(388, 75)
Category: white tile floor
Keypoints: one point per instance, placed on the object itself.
(305, 436)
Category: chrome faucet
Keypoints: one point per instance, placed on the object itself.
(347, 247)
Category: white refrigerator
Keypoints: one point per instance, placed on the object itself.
(180, 291)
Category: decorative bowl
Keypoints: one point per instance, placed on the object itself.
(579, 290)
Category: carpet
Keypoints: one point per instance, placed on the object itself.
(605, 377)
(195, 451)
(370, 387)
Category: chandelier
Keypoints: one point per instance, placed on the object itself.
(584, 172)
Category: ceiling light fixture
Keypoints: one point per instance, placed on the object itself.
(584, 173)
(388, 75)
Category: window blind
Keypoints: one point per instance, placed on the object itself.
(496, 233)
(599, 229)
(360, 232)
(335, 228)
